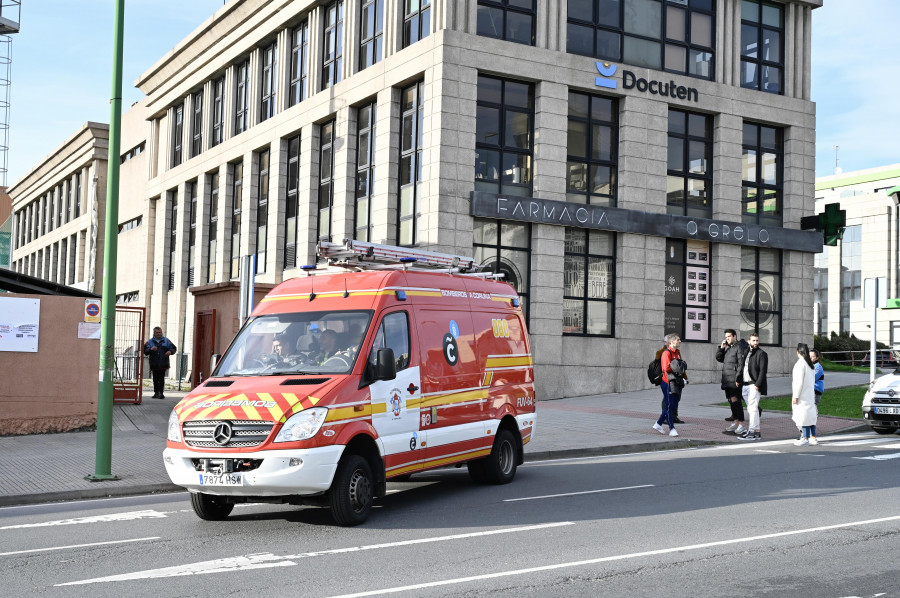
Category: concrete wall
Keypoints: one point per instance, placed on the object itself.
(55, 389)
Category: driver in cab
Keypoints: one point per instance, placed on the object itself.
(328, 346)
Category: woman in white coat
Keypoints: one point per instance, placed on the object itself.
(804, 397)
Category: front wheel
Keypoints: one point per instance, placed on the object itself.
(211, 508)
(500, 466)
(352, 491)
(884, 430)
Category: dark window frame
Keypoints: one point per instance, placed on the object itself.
(262, 209)
(332, 34)
(365, 171)
(241, 96)
(299, 63)
(588, 161)
(327, 137)
(191, 193)
(268, 81)
(503, 9)
(495, 258)
(196, 123)
(685, 173)
(774, 313)
(851, 273)
(212, 243)
(218, 112)
(759, 63)
(177, 134)
(371, 47)
(416, 22)
(292, 202)
(172, 201)
(585, 259)
(759, 186)
(412, 115)
(237, 199)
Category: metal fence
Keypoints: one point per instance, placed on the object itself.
(885, 358)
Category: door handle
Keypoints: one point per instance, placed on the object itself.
(412, 388)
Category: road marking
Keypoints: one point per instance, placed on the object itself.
(264, 560)
(859, 442)
(79, 546)
(577, 493)
(881, 457)
(130, 516)
(765, 451)
(608, 559)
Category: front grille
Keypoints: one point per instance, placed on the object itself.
(883, 399)
(244, 433)
(304, 381)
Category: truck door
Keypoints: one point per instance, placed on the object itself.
(395, 403)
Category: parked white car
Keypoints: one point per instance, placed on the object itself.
(881, 403)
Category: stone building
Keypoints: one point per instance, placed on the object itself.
(634, 167)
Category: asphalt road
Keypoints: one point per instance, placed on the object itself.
(764, 519)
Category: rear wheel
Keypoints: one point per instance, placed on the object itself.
(211, 508)
(885, 430)
(352, 491)
(500, 466)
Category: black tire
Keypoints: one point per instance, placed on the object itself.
(500, 466)
(476, 471)
(211, 508)
(352, 491)
(880, 430)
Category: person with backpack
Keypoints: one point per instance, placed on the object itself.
(670, 383)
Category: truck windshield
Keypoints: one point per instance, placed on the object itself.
(296, 343)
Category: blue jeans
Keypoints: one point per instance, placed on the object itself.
(808, 431)
(671, 406)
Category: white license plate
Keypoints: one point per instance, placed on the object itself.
(221, 479)
(888, 410)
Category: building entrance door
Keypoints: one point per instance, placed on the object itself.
(204, 341)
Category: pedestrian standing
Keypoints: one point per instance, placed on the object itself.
(731, 354)
(819, 387)
(662, 407)
(754, 386)
(158, 349)
(672, 352)
(803, 404)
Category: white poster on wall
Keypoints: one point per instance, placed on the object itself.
(20, 320)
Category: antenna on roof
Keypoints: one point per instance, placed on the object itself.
(837, 169)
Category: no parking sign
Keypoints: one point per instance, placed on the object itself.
(91, 310)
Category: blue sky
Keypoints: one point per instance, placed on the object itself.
(62, 61)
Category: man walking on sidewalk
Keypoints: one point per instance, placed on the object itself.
(158, 349)
(756, 364)
(673, 341)
(731, 355)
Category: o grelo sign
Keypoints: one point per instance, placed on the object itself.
(561, 213)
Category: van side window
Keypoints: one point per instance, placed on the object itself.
(393, 333)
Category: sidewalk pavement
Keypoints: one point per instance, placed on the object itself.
(52, 467)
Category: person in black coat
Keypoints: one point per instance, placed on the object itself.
(158, 349)
(753, 381)
(731, 354)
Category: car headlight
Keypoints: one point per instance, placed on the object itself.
(174, 428)
(303, 425)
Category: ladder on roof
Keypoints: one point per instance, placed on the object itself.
(364, 255)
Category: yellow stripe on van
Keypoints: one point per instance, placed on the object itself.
(454, 458)
(348, 413)
(454, 397)
(488, 376)
(500, 362)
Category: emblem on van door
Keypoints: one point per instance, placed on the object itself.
(414, 441)
(395, 402)
(451, 351)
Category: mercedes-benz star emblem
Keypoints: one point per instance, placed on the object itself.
(222, 434)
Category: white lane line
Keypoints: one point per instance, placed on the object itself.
(881, 457)
(608, 559)
(859, 442)
(765, 451)
(79, 546)
(578, 493)
(129, 516)
(265, 560)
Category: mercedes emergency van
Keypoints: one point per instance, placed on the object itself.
(374, 369)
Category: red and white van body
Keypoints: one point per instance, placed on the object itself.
(467, 374)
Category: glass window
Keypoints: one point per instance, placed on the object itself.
(762, 47)
(851, 272)
(687, 284)
(262, 210)
(197, 123)
(820, 293)
(237, 199)
(326, 180)
(510, 20)
(365, 170)
(592, 145)
(761, 165)
(371, 32)
(191, 189)
(416, 21)
(212, 226)
(504, 136)
(333, 44)
(241, 97)
(172, 206)
(218, 112)
(177, 133)
(675, 35)
(268, 82)
(761, 294)
(411, 121)
(589, 275)
(506, 247)
(299, 62)
(393, 333)
(292, 202)
(689, 181)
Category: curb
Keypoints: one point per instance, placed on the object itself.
(68, 495)
(620, 449)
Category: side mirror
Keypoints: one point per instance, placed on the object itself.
(214, 361)
(385, 365)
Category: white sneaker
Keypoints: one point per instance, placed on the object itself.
(659, 428)
(673, 432)
(813, 441)
(740, 429)
(801, 442)
(731, 428)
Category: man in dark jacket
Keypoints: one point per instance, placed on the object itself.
(753, 379)
(731, 354)
(158, 350)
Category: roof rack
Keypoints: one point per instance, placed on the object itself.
(372, 256)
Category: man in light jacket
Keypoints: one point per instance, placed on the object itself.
(753, 385)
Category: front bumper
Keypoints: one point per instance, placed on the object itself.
(879, 420)
(312, 474)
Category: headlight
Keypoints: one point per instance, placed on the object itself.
(174, 428)
(303, 425)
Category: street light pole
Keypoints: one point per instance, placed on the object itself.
(103, 465)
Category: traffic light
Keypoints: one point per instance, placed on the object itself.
(831, 222)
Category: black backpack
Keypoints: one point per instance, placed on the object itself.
(654, 372)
